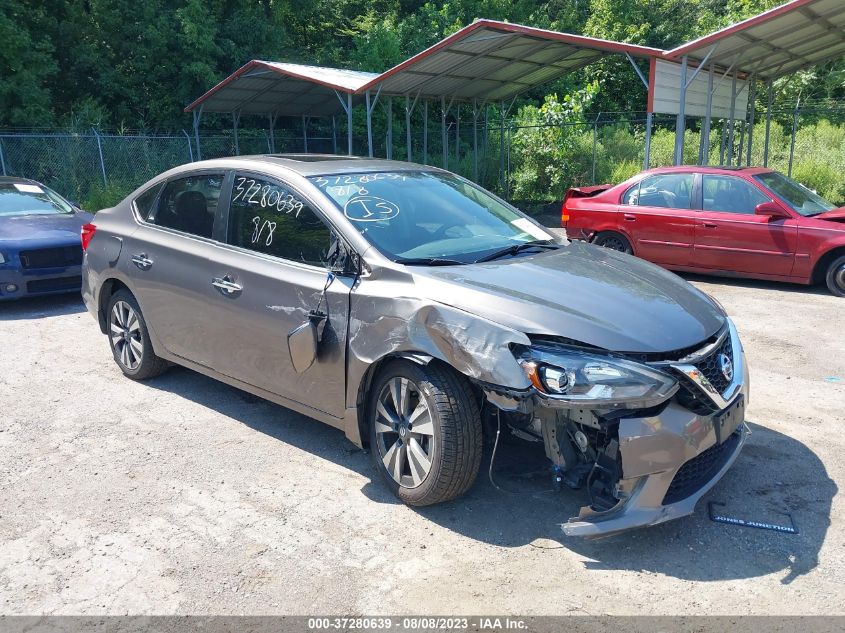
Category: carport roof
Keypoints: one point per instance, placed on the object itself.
(487, 60)
(262, 87)
(794, 36)
(494, 61)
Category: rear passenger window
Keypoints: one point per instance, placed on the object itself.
(670, 191)
(269, 218)
(189, 204)
(144, 202)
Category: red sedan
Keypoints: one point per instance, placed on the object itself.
(741, 222)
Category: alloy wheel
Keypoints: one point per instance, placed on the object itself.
(404, 432)
(125, 335)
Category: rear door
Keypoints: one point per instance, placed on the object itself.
(266, 278)
(659, 216)
(730, 237)
(168, 257)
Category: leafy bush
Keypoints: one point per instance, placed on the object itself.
(548, 148)
(102, 196)
(625, 170)
(824, 178)
(545, 161)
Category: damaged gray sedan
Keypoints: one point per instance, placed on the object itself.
(418, 312)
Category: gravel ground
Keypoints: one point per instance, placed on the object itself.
(182, 495)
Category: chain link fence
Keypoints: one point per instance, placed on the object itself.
(530, 164)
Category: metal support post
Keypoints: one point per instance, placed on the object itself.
(334, 135)
(370, 105)
(187, 136)
(457, 135)
(425, 132)
(100, 150)
(272, 118)
(752, 98)
(794, 131)
(443, 140)
(730, 147)
(770, 97)
(236, 119)
(704, 144)
(595, 144)
(502, 148)
(388, 104)
(681, 121)
(475, 140)
(197, 116)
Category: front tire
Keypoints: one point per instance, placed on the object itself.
(129, 339)
(835, 277)
(425, 432)
(614, 241)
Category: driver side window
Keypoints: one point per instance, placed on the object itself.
(267, 217)
(668, 191)
(728, 194)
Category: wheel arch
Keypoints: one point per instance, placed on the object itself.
(364, 387)
(820, 268)
(619, 231)
(107, 290)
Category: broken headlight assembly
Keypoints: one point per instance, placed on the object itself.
(571, 377)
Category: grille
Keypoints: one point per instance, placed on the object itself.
(54, 285)
(710, 367)
(694, 399)
(59, 257)
(700, 469)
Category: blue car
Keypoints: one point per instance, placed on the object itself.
(40, 245)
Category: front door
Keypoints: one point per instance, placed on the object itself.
(168, 258)
(266, 278)
(730, 237)
(658, 214)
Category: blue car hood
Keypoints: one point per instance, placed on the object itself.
(53, 228)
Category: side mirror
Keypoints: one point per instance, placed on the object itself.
(771, 209)
(342, 259)
(304, 342)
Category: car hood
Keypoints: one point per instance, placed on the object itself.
(580, 292)
(43, 228)
(837, 215)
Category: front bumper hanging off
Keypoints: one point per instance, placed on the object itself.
(667, 459)
(670, 460)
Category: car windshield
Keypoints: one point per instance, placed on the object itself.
(430, 217)
(797, 196)
(24, 198)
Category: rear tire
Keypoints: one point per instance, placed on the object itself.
(129, 339)
(425, 432)
(614, 241)
(835, 277)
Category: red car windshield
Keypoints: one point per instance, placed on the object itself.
(797, 196)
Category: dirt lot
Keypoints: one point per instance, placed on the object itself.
(182, 495)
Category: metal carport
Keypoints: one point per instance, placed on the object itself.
(794, 36)
(484, 63)
(280, 89)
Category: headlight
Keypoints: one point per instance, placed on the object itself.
(596, 382)
(2, 258)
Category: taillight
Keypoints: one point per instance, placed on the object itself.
(564, 214)
(87, 233)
